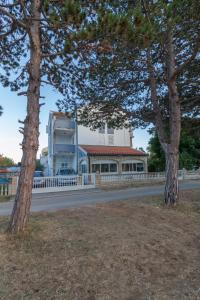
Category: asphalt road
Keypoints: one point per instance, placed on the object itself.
(61, 200)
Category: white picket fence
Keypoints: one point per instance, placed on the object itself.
(51, 184)
(63, 183)
(190, 174)
(131, 177)
(4, 190)
(8, 186)
(87, 181)
(151, 176)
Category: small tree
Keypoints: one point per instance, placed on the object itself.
(156, 159)
(1, 110)
(189, 149)
(6, 161)
(39, 166)
(146, 66)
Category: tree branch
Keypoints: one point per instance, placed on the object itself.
(189, 60)
(6, 13)
(12, 44)
(2, 36)
(10, 5)
(22, 94)
(155, 102)
(45, 55)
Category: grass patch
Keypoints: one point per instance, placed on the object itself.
(5, 198)
(189, 202)
(128, 250)
(124, 185)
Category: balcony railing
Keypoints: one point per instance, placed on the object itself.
(62, 148)
(64, 124)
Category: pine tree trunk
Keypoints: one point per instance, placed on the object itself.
(21, 209)
(171, 184)
(172, 149)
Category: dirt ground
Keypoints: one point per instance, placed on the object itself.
(128, 250)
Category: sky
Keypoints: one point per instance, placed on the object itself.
(14, 109)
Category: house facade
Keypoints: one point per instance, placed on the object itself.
(44, 160)
(74, 148)
(113, 159)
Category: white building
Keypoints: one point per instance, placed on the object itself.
(44, 160)
(75, 148)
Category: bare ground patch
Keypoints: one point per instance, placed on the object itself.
(124, 250)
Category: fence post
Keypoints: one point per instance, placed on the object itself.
(13, 185)
(82, 179)
(183, 174)
(98, 179)
(94, 179)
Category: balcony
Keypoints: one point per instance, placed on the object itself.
(64, 125)
(63, 149)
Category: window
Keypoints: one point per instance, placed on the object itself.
(83, 168)
(110, 130)
(96, 168)
(64, 165)
(140, 167)
(133, 167)
(102, 129)
(125, 167)
(129, 167)
(113, 167)
(104, 168)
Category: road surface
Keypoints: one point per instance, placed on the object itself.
(61, 200)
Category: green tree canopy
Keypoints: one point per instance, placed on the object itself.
(114, 74)
(6, 161)
(144, 70)
(189, 148)
(39, 166)
(39, 42)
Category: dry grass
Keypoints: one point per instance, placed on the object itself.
(124, 185)
(5, 198)
(127, 250)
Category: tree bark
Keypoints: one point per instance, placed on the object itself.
(21, 209)
(170, 144)
(171, 185)
(172, 149)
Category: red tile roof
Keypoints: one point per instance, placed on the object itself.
(4, 171)
(111, 150)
